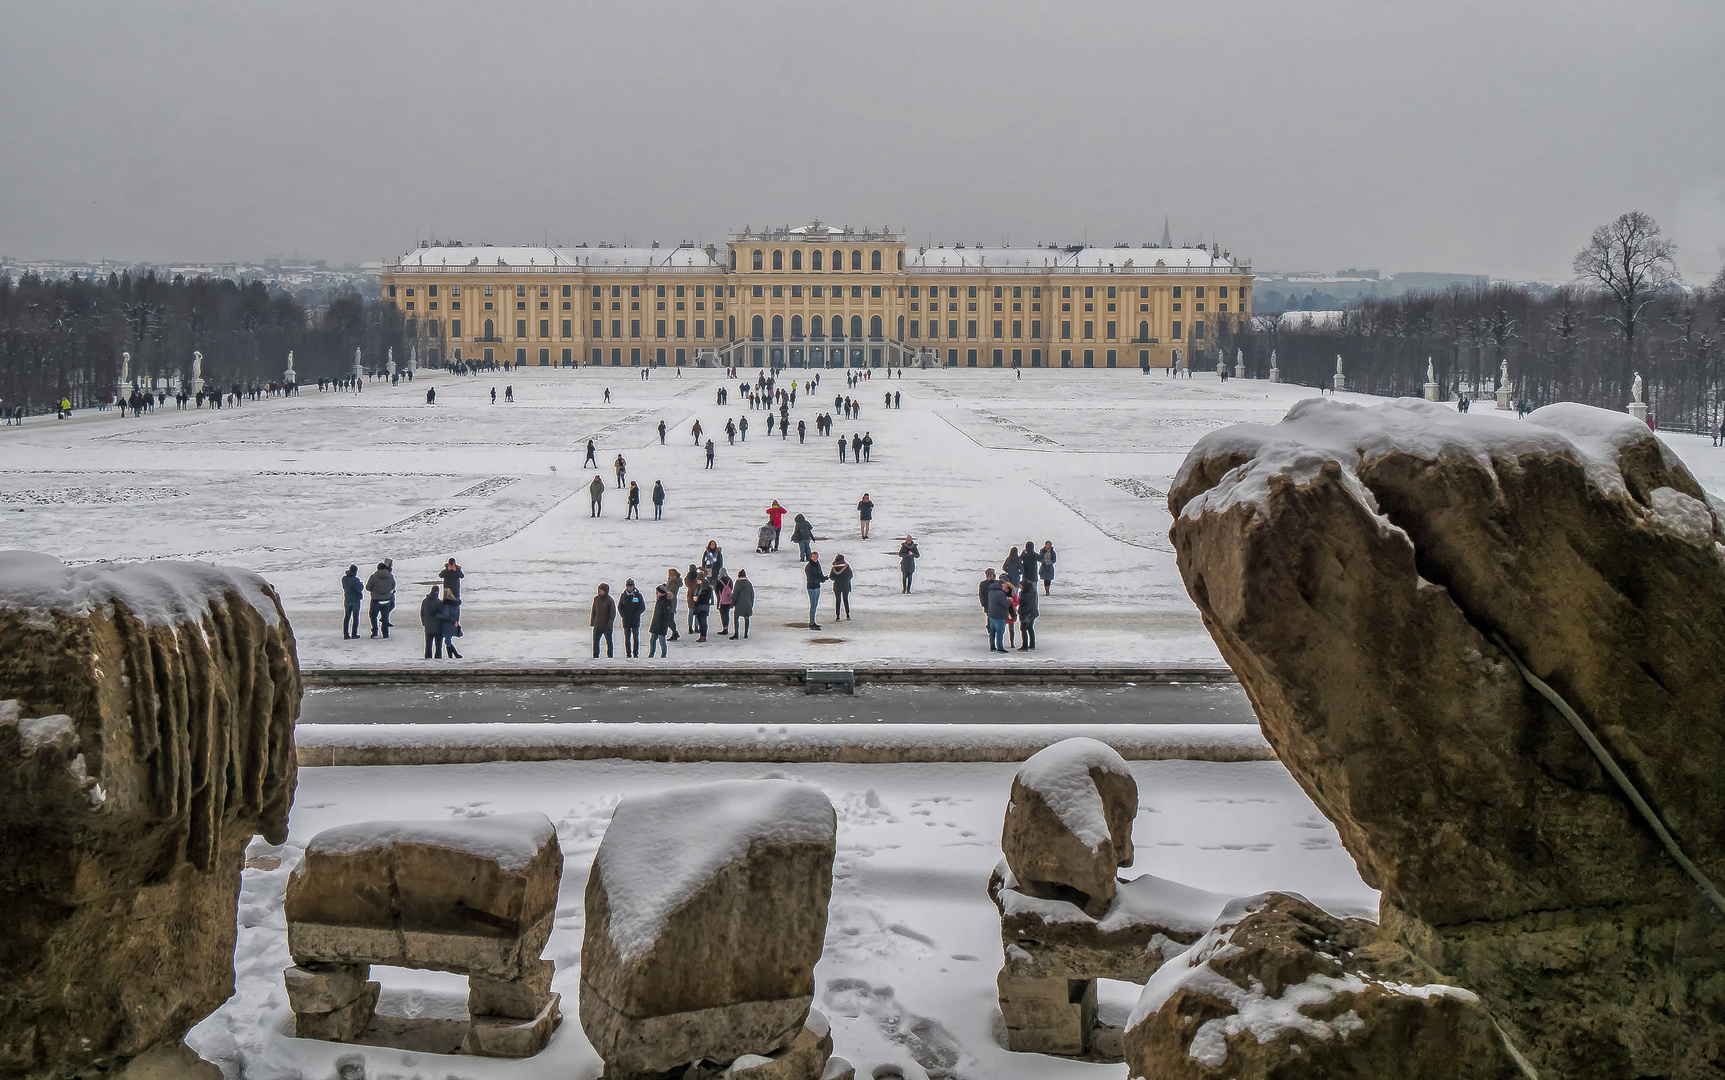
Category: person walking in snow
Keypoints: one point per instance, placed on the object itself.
(592, 455)
(603, 616)
(630, 607)
(431, 399)
(812, 577)
(802, 430)
(856, 449)
(868, 447)
(709, 453)
(352, 592)
(696, 429)
(596, 493)
(494, 395)
(661, 433)
(622, 468)
(664, 621)
(634, 508)
(776, 518)
(742, 604)
(743, 429)
(907, 557)
(802, 535)
(865, 513)
(381, 586)
(841, 449)
(1047, 559)
(658, 500)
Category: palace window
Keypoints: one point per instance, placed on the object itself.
(778, 291)
(876, 260)
(1175, 331)
(487, 290)
(1176, 292)
(971, 328)
(1197, 294)
(520, 328)
(856, 260)
(1110, 328)
(796, 291)
(1089, 330)
(757, 260)
(997, 332)
(544, 290)
(757, 292)
(814, 260)
(659, 329)
(1017, 328)
(568, 326)
(634, 328)
(1221, 292)
(796, 260)
(455, 290)
(520, 290)
(778, 259)
(1036, 328)
(1065, 330)
(856, 290)
(1065, 292)
(565, 290)
(874, 292)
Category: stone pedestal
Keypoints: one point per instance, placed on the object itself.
(1431, 391)
(1638, 409)
(1340, 382)
(1239, 371)
(1047, 1016)
(1503, 397)
(1275, 374)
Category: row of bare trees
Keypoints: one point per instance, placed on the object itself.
(1624, 314)
(64, 338)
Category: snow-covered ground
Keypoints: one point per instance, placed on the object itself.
(975, 462)
(913, 942)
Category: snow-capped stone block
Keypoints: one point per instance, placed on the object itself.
(474, 896)
(706, 912)
(1357, 568)
(1069, 823)
(1149, 920)
(1279, 988)
(146, 734)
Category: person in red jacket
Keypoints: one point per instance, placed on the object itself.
(776, 518)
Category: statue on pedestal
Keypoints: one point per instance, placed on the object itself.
(1341, 381)
(1635, 389)
(289, 376)
(197, 371)
(1275, 372)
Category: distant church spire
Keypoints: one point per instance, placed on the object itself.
(1167, 237)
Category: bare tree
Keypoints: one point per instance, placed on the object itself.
(1632, 262)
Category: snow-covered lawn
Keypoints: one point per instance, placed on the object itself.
(976, 461)
(913, 942)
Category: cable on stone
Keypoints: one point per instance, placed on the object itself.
(1708, 889)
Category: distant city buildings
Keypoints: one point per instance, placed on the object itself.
(818, 296)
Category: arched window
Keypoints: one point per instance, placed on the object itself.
(874, 328)
(1143, 331)
(856, 260)
(815, 321)
(778, 258)
(778, 328)
(901, 327)
(838, 261)
(838, 327)
(901, 259)
(875, 259)
(757, 259)
(814, 260)
(796, 259)
(856, 320)
(758, 332)
(796, 323)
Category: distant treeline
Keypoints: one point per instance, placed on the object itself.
(1567, 345)
(63, 338)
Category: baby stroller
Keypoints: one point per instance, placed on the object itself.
(764, 542)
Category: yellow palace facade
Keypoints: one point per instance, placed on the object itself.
(818, 296)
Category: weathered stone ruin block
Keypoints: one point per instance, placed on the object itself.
(706, 912)
(1278, 988)
(1069, 823)
(1354, 565)
(473, 896)
(146, 734)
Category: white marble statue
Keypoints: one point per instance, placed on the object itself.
(290, 377)
(1338, 363)
(125, 369)
(1431, 372)
(197, 371)
(358, 368)
(1635, 389)
(1503, 372)
(1273, 366)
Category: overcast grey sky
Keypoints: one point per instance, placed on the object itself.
(1482, 137)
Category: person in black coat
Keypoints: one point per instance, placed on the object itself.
(352, 592)
(634, 509)
(813, 576)
(1027, 611)
(865, 513)
(1011, 567)
(841, 578)
(664, 621)
(803, 535)
(1030, 564)
(431, 617)
(630, 607)
(703, 603)
(907, 557)
(1046, 557)
(658, 500)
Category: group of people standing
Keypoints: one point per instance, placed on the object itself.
(439, 611)
(1009, 600)
(703, 587)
